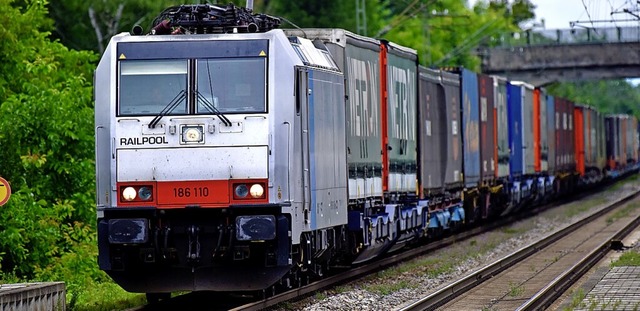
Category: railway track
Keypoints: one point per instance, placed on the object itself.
(266, 300)
(533, 277)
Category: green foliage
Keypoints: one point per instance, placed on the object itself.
(608, 96)
(446, 33)
(630, 258)
(46, 134)
(89, 24)
(517, 12)
(325, 13)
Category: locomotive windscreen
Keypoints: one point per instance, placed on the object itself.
(154, 79)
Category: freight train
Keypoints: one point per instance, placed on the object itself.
(232, 155)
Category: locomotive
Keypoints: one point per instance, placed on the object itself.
(232, 155)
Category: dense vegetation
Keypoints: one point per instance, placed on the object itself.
(47, 229)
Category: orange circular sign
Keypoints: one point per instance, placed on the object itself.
(5, 191)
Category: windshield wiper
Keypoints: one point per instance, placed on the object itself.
(213, 109)
(168, 108)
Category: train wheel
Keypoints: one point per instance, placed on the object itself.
(157, 297)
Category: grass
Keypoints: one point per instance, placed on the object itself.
(515, 289)
(577, 208)
(576, 300)
(630, 258)
(621, 213)
(617, 185)
(103, 297)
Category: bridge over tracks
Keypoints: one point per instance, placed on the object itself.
(542, 57)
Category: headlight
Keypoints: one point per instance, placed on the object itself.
(256, 191)
(241, 191)
(129, 194)
(144, 193)
(192, 134)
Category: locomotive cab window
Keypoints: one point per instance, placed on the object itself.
(231, 85)
(149, 86)
(192, 86)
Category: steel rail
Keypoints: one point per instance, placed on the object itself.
(442, 296)
(547, 295)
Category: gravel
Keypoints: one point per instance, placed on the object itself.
(402, 284)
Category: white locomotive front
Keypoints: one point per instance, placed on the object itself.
(216, 156)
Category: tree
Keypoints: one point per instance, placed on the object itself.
(89, 24)
(517, 12)
(325, 13)
(46, 134)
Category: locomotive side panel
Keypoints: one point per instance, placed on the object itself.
(104, 81)
(327, 150)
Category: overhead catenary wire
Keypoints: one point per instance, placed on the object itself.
(469, 41)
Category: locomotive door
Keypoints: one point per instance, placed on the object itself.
(301, 130)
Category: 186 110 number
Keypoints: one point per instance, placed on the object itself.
(186, 192)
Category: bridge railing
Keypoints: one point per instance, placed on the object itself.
(570, 36)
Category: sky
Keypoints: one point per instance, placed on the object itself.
(558, 14)
(588, 13)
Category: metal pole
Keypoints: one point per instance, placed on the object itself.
(250, 4)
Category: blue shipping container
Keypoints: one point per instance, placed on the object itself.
(514, 108)
(470, 127)
(551, 133)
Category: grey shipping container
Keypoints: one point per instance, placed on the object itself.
(631, 140)
(527, 129)
(453, 174)
(432, 131)
(544, 135)
(502, 126)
